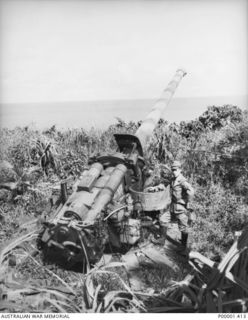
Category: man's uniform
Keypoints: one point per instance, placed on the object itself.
(181, 194)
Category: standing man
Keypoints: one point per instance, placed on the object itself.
(181, 194)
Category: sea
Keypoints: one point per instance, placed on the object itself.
(100, 114)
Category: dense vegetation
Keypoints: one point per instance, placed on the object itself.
(213, 150)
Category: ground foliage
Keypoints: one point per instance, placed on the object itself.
(213, 150)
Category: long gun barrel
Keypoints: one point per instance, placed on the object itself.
(151, 120)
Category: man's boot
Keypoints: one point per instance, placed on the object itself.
(184, 239)
(182, 249)
(162, 238)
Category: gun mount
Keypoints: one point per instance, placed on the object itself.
(105, 209)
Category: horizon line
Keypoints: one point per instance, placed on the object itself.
(126, 99)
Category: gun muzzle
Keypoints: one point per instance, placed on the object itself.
(145, 131)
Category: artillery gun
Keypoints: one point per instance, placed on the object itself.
(108, 204)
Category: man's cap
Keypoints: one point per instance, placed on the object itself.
(164, 167)
(176, 165)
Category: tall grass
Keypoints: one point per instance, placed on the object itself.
(213, 150)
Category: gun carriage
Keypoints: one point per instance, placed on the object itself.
(108, 206)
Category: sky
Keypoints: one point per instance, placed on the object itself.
(61, 50)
